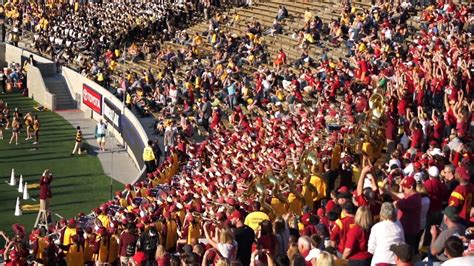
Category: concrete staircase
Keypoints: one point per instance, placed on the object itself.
(57, 85)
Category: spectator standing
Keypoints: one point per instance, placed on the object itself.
(169, 138)
(356, 244)
(127, 244)
(438, 195)
(245, 237)
(384, 234)
(448, 178)
(100, 131)
(156, 151)
(342, 226)
(461, 197)
(409, 210)
(149, 157)
(223, 241)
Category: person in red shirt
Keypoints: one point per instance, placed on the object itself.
(461, 197)
(416, 135)
(267, 239)
(438, 194)
(331, 203)
(356, 244)
(45, 189)
(127, 242)
(409, 209)
(367, 196)
(391, 131)
(339, 232)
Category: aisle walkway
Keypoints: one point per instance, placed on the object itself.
(116, 164)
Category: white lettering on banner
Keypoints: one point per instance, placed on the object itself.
(111, 115)
(91, 98)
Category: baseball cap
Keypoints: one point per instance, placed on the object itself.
(236, 215)
(463, 173)
(433, 171)
(452, 213)
(418, 177)
(417, 165)
(403, 251)
(408, 182)
(72, 222)
(343, 195)
(343, 189)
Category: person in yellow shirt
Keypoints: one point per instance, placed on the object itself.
(320, 184)
(104, 218)
(308, 16)
(114, 246)
(197, 39)
(103, 242)
(169, 233)
(89, 244)
(42, 244)
(69, 232)
(279, 207)
(75, 254)
(149, 157)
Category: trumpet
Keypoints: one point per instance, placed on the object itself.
(204, 217)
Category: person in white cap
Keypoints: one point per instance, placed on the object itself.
(437, 193)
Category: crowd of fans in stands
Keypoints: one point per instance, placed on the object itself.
(281, 179)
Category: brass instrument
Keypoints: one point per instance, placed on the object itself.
(203, 216)
(371, 129)
(276, 191)
(261, 198)
(277, 194)
(273, 180)
(308, 166)
(376, 103)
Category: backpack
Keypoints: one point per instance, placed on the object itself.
(130, 251)
(150, 244)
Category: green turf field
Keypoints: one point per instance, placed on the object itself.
(80, 183)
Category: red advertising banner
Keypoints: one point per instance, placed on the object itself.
(92, 99)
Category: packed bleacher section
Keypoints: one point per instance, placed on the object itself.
(336, 133)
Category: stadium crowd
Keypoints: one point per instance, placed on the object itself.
(360, 161)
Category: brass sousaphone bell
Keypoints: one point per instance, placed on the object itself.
(308, 165)
(291, 178)
(376, 104)
(276, 182)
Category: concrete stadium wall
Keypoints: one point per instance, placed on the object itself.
(15, 54)
(37, 90)
(75, 81)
